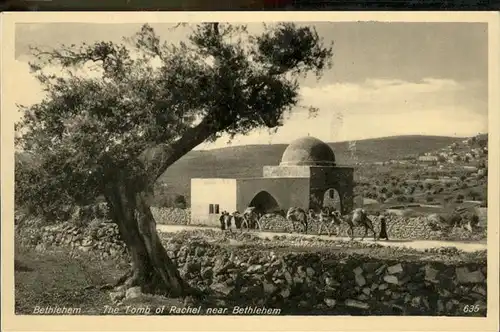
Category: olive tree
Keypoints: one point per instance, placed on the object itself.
(150, 102)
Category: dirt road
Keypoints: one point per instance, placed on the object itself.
(414, 244)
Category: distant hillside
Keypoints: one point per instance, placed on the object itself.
(247, 161)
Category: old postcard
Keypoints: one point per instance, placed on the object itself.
(250, 171)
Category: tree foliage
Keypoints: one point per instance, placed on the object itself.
(146, 102)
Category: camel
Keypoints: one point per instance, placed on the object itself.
(297, 215)
(358, 217)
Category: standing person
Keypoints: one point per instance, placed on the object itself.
(222, 220)
(383, 228)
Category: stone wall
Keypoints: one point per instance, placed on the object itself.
(336, 283)
(404, 228)
(174, 216)
(321, 281)
(99, 237)
(399, 227)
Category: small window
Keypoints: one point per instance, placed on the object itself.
(216, 208)
(211, 209)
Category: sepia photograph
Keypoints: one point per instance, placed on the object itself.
(282, 168)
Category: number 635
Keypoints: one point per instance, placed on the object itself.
(471, 308)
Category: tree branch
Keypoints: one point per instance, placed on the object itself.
(157, 159)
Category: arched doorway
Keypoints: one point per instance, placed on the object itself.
(264, 202)
(332, 199)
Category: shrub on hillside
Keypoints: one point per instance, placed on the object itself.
(482, 142)
(401, 198)
(459, 198)
(180, 201)
(169, 200)
(473, 195)
(471, 217)
(453, 219)
(448, 199)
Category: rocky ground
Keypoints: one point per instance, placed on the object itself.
(297, 275)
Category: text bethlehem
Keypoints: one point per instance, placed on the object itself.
(255, 311)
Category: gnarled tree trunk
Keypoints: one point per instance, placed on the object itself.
(152, 269)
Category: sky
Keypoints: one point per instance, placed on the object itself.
(387, 79)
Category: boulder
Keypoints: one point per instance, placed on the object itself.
(133, 292)
(391, 279)
(254, 268)
(430, 273)
(222, 288)
(117, 296)
(356, 304)
(285, 293)
(358, 271)
(394, 269)
(465, 276)
(310, 272)
(207, 272)
(330, 302)
(360, 280)
(269, 288)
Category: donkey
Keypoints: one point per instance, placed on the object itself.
(251, 218)
(327, 218)
(297, 215)
(238, 220)
(357, 218)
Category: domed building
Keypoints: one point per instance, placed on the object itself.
(307, 176)
(308, 151)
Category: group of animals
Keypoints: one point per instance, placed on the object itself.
(327, 218)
